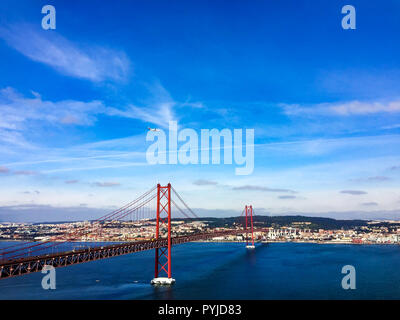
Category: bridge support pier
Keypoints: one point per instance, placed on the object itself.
(163, 224)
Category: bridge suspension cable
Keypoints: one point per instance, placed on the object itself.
(106, 219)
(184, 203)
(74, 235)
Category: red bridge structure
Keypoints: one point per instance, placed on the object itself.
(29, 257)
(249, 216)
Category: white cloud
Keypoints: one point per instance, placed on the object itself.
(92, 63)
(369, 204)
(203, 182)
(107, 184)
(261, 188)
(12, 138)
(326, 146)
(343, 108)
(159, 114)
(4, 169)
(354, 192)
(16, 110)
(71, 181)
(158, 109)
(393, 126)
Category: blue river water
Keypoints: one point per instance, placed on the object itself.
(227, 271)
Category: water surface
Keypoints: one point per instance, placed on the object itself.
(227, 271)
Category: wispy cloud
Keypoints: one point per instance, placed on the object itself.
(393, 126)
(21, 115)
(159, 114)
(353, 192)
(31, 192)
(16, 110)
(343, 108)
(25, 173)
(260, 188)
(202, 182)
(4, 170)
(372, 179)
(90, 62)
(378, 178)
(158, 109)
(107, 184)
(71, 181)
(320, 146)
(89, 168)
(287, 197)
(369, 204)
(13, 139)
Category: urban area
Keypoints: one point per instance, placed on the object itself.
(370, 232)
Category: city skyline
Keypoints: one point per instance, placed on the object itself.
(76, 102)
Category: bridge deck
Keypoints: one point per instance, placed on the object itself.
(18, 267)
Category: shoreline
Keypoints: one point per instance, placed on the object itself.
(226, 241)
(313, 242)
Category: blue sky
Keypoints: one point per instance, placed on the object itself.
(324, 102)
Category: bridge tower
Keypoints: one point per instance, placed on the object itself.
(163, 224)
(249, 216)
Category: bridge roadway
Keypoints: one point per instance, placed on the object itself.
(18, 267)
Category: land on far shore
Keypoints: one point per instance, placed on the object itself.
(280, 228)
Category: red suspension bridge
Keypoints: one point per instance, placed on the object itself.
(28, 257)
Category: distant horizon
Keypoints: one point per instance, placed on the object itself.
(211, 217)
